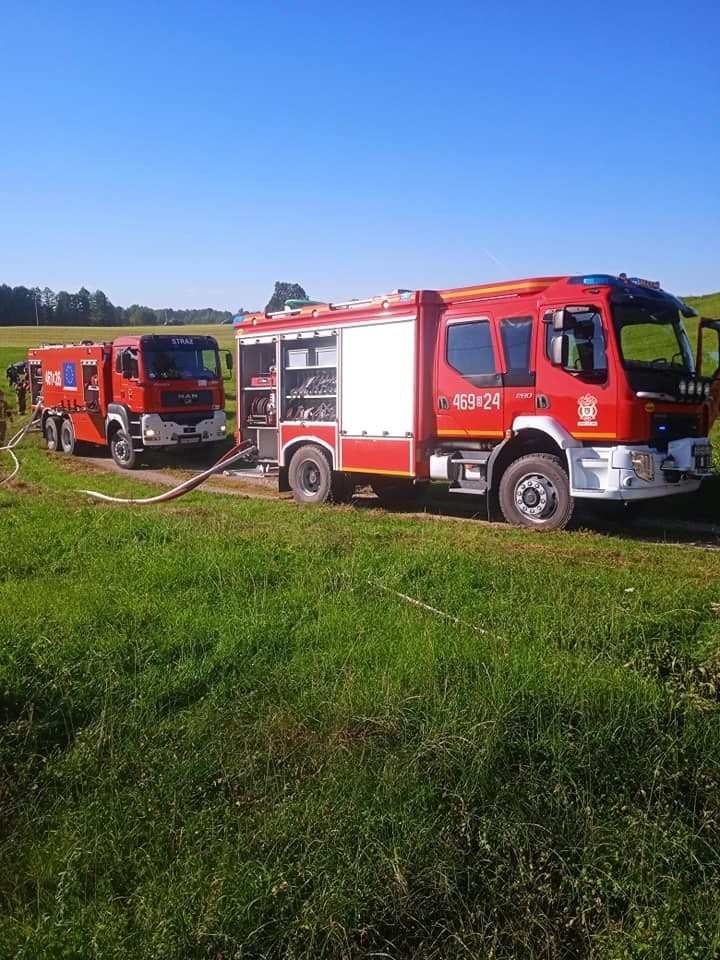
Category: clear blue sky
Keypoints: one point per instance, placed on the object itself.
(189, 154)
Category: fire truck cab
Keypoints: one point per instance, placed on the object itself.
(532, 393)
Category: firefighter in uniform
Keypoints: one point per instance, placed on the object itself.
(5, 415)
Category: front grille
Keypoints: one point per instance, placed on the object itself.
(187, 419)
(665, 427)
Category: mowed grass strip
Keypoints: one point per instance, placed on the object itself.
(222, 738)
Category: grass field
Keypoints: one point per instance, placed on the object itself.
(225, 733)
(707, 305)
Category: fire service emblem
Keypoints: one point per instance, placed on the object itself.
(587, 411)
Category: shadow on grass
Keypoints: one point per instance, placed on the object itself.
(685, 517)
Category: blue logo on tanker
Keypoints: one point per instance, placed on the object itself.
(69, 375)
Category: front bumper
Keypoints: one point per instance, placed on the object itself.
(157, 431)
(639, 472)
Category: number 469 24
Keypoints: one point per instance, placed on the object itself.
(477, 401)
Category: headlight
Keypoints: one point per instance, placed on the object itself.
(150, 434)
(706, 388)
(682, 386)
(691, 388)
(643, 465)
(223, 428)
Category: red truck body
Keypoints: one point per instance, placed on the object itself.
(135, 393)
(532, 393)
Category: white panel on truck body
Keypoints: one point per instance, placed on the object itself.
(377, 385)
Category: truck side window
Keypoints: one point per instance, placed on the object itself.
(584, 350)
(516, 334)
(126, 363)
(469, 351)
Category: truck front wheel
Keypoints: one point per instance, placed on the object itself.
(535, 492)
(122, 450)
(52, 434)
(310, 476)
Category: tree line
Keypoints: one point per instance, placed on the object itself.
(31, 306)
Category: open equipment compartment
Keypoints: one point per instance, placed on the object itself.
(258, 399)
(309, 379)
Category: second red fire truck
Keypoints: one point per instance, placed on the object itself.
(134, 394)
(531, 393)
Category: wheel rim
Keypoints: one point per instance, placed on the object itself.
(535, 497)
(122, 449)
(309, 478)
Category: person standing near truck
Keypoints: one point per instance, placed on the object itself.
(21, 389)
(5, 415)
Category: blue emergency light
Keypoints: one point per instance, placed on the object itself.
(606, 279)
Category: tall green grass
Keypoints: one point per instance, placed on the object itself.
(222, 738)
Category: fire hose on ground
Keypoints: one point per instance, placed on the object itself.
(15, 440)
(238, 452)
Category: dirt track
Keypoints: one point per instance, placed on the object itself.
(159, 471)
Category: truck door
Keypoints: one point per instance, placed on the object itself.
(516, 333)
(574, 382)
(708, 362)
(126, 374)
(468, 381)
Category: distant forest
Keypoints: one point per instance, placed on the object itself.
(23, 306)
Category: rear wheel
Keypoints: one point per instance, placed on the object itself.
(310, 476)
(52, 434)
(67, 437)
(535, 492)
(122, 450)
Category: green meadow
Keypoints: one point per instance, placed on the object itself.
(227, 732)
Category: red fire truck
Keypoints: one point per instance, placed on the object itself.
(136, 393)
(532, 393)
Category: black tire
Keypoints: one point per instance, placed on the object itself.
(52, 434)
(310, 476)
(67, 437)
(535, 492)
(397, 491)
(122, 450)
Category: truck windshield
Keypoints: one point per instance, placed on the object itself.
(652, 337)
(181, 362)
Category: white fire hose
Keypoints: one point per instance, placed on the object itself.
(238, 452)
(15, 440)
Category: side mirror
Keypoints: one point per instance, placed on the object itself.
(125, 363)
(229, 360)
(559, 350)
(558, 320)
